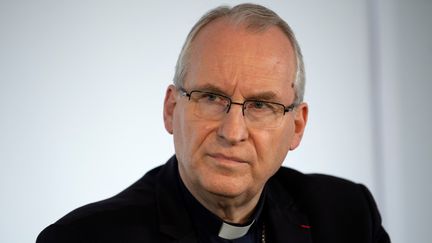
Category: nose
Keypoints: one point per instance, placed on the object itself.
(232, 128)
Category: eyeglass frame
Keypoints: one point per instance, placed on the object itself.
(286, 109)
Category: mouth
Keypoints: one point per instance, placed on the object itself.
(222, 158)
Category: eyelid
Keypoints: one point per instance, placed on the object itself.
(262, 100)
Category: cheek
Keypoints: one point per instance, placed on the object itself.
(189, 134)
(272, 148)
(181, 132)
(283, 142)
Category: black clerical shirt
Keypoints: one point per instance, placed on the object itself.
(208, 226)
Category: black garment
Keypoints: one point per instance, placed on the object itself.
(298, 208)
(208, 226)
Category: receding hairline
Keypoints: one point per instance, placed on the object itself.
(241, 25)
(215, 30)
(251, 24)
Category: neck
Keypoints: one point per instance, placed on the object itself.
(233, 211)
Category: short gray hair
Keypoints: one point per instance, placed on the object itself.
(256, 18)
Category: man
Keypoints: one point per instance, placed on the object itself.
(235, 110)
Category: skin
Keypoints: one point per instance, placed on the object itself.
(225, 164)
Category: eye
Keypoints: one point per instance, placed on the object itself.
(210, 97)
(262, 108)
(258, 105)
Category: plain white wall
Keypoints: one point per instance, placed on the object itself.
(82, 85)
(404, 50)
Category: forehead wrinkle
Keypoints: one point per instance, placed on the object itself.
(224, 76)
(242, 64)
(230, 69)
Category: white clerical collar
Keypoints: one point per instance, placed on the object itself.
(231, 232)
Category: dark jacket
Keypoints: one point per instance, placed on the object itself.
(298, 208)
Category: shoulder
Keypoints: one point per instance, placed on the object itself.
(301, 185)
(134, 199)
(318, 190)
(131, 209)
(334, 206)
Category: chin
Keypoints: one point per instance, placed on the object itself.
(226, 186)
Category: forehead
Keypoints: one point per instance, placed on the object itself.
(231, 56)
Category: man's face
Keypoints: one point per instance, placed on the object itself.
(227, 157)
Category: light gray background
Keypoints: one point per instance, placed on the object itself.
(82, 85)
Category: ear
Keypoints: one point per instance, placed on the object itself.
(169, 105)
(300, 120)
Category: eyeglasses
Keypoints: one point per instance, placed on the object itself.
(258, 113)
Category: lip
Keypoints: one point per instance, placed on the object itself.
(227, 158)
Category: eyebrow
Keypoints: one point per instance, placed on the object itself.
(264, 96)
(210, 88)
(267, 95)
